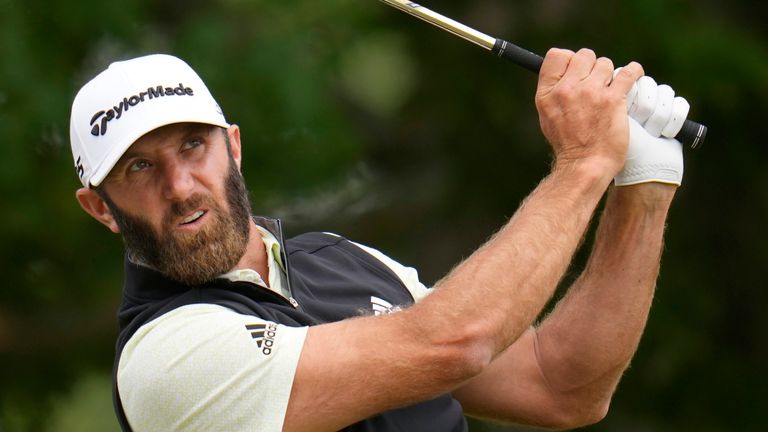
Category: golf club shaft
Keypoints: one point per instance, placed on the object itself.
(691, 133)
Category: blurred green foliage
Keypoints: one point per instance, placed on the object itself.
(359, 119)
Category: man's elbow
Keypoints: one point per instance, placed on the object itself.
(592, 414)
(463, 354)
(579, 415)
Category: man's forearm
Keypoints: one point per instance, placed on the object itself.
(504, 285)
(591, 335)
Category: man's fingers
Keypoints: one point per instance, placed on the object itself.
(603, 70)
(680, 108)
(665, 97)
(625, 78)
(554, 67)
(581, 65)
(645, 101)
(655, 107)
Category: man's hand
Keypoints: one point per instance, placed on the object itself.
(655, 114)
(582, 107)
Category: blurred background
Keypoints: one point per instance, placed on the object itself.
(359, 119)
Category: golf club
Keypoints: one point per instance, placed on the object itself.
(691, 133)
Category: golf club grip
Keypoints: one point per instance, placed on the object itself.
(691, 134)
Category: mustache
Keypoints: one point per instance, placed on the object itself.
(182, 208)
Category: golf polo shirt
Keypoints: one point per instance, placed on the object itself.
(222, 355)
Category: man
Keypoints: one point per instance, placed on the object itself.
(226, 326)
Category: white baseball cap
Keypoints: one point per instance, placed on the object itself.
(129, 99)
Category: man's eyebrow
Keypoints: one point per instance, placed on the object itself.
(195, 129)
(128, 155)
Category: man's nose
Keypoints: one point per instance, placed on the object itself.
(178, 182)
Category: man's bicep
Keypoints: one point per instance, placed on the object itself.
(354, 369)
(204, 367)
(338, 378)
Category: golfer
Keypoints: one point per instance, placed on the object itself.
(227, 326)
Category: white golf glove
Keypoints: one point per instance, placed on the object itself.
(655, 117)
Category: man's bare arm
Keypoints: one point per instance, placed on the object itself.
(564, 372)
(378, 363)
(487, 302)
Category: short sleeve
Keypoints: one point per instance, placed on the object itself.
(205, 367)
(408, 275)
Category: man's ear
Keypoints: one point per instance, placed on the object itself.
(95, 206)
(233, 132)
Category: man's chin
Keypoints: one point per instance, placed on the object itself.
(197, 264)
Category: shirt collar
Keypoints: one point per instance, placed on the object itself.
(275, 266)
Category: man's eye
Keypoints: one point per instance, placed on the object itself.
(190, 144)
(139, 165)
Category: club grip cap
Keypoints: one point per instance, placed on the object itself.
(693, 134)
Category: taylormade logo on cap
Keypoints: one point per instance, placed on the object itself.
(129, 99)
(117, 111)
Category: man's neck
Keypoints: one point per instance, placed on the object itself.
(255, 257)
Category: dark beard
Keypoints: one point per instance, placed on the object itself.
(191, 258)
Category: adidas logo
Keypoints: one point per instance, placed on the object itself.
(264, 334)
(382, 307)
